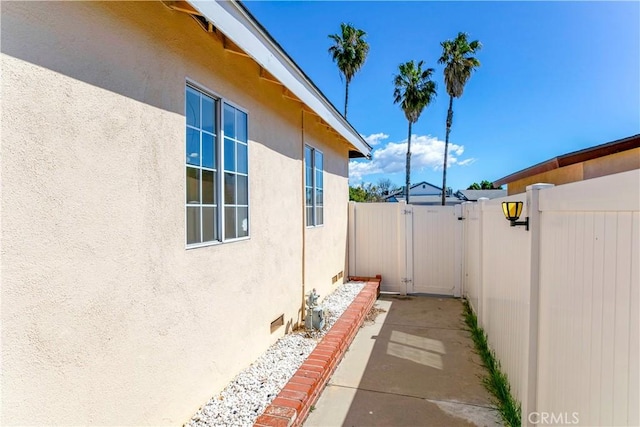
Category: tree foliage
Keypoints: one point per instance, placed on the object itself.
(459, 62)
(457, 57)
(358, 194)
(414, 90)
(372, 193)
(484, 185)
(349, 51)
(385, 186)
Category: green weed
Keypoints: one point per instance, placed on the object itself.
(496, 381)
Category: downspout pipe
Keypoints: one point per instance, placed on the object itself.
(304, 224)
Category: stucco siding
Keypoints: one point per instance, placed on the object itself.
(565, 175)
(107, 318)
(613, 163)
(601, 166)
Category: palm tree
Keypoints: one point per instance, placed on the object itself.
(349, 51)
(414, 91)
(457, 55)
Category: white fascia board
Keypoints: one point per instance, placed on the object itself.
(231, 19)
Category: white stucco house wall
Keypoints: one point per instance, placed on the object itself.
(144, 259)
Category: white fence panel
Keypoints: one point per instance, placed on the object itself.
(504, 303)
(416, 249)
(377, 242)
(588, 335)
(436, 250)
(559, 303)
(471, 254)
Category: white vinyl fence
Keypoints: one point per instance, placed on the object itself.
(499, 255)
(416, 249)
(559, 303)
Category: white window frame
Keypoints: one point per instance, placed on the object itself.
(315, 222)
(223, 204)
(219, 202)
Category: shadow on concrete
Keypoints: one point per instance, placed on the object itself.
(414, 366)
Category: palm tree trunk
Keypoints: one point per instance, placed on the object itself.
(408, 178)
(446, 149)
(346, 97)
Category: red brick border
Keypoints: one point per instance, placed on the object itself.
(291, 407)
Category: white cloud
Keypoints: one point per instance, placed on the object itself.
(426, 152)
(375, 138)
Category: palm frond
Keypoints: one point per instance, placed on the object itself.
(414, 89)
(457, 56)
(349, 50)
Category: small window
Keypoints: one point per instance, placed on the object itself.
(314, 186)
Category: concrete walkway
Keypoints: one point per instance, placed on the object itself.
(413, 366)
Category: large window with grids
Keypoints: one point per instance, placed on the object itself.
(314, 187)
(217, 191)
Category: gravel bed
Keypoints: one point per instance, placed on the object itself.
(247, 396)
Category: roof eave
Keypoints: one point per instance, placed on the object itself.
(583, 155)
(237, 24)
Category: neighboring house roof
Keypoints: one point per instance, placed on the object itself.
(242, 31)
(432, 195)
(428, 200)
(423, 193)
(420, 189)
(572, 158)
(474, 195)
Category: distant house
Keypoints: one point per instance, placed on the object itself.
(422, 193)
(145, 259)
(474, 195)
(605, 159)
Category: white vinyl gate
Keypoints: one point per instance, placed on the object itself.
(416, 249)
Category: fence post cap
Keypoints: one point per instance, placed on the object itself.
(539, 186)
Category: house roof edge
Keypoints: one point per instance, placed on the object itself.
(583, 155)
(233, 19)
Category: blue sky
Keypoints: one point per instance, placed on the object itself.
(555, 77)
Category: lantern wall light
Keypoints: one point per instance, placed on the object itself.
(512, 211)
